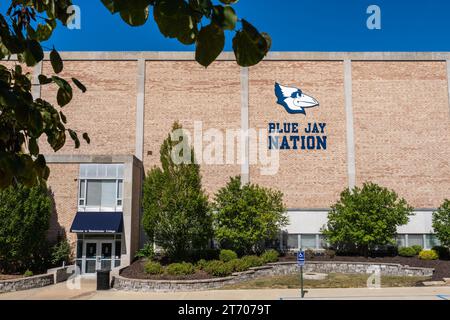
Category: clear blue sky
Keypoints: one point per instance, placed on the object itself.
(295, 25)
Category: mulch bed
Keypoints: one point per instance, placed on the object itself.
(10, 276)
(136, 271)
(441, 267)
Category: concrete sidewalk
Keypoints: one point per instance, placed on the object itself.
(87, 291)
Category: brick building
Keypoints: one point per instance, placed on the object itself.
(387, 119)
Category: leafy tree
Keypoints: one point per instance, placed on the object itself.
(28, 23)
(176, 211)
(441, 223)
(247, 216)
(25, 219)
(366, 217)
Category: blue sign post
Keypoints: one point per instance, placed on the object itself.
(301, 263)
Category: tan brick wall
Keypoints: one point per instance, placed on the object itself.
(64, 187)
(308, 179)
(402, 128)
(187, 92)
(106, 111)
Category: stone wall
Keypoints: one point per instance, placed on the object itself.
(62, 273)
(278, 268)
(26, 283)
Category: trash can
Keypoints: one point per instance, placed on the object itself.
(103, 279)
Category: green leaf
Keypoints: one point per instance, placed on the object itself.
(63, 117)
(229, 1)
(225, 17)
(43, 32)
(86, 138)
(64, 95)
(175, 21)
(79, 85)
(33, 53)
(74, 137)
(135, 16)
(210, 43)
(250, 46)
(56, 61)
(33, 146)
(44, 79)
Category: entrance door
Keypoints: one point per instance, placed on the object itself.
(98, 255)
(90, 250)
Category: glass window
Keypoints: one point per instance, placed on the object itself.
(79, 248)
(415, 240)
(111, 171)
(108, 193)
(292, 242)
(118, 250)
(322, 242)
(431, 241)
(94, 193)
(119, 189)
(308, 241)
(401, 240)
(82, 188)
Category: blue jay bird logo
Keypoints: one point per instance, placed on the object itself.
(293, 99)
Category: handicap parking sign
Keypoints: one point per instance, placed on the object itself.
(301, 258)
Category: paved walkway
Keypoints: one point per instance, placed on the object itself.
(87, 290)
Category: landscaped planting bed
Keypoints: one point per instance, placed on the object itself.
(441, 267)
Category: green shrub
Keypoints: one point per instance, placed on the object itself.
(180, 269)
(252, 261)
(330, 253)
(239, 265)
(374, 212)
(201, 264)
(240, 207)
(417, 248)
(28, 273)
(428, 255)
(61, 252)
(176, 211)
(443, 252)
(219, 268)
(227, 255)
(147, 251)
(270, 256)
(406, 252)
(25, 219)
(441, 223)
(152, 267)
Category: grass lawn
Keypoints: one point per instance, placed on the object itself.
(334, 280)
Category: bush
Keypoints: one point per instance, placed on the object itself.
(417, 248)
(28, 273)
(147, 251)
(180, 269)
(60, 252)
(374, 212)
(227, 255)
(270, 256)
(330, 253)
(247, 216)
(25, 219)
(152, 267)
(441, 223)
(201, 264)
(406, 252)
(239, 265)
(428, 255)
(252, 261)
(443, 252)
(219, 268)
(177, 215)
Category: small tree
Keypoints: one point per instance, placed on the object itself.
(247, 216)
(441, 223)
(366, 217)
(25, 219)
(177, 216)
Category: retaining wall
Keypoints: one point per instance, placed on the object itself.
(26, 283)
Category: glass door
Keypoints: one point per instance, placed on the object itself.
(105, 255)
(91, 256)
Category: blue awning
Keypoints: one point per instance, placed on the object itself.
(97, 222)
